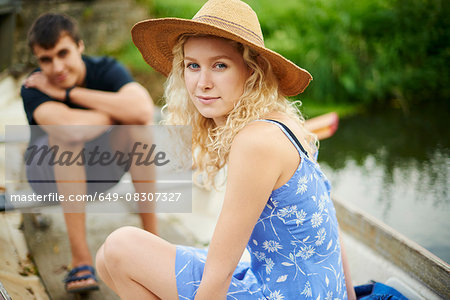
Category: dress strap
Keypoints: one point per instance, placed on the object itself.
(288, 133)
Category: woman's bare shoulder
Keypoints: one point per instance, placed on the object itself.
(263, 138)
(257, 132)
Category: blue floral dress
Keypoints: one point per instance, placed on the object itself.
(294, 246)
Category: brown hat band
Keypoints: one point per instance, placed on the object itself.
(231, 27)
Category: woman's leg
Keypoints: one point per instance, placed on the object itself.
(101, 269)
(138, 265)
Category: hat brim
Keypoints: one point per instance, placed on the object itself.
(155, 39)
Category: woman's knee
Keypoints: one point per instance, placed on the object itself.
(100, 262)
(120, 244)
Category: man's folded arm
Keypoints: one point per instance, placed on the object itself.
(65, 118)
(132, 104)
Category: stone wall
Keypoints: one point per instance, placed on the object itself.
(104, 24)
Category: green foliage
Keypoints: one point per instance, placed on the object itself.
(311, 108)
(368, 51)
(129, 55)
(172, 8)
(358, 51)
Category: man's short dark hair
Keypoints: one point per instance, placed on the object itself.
(47, 29)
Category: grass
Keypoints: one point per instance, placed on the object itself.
(130, 56)
(311, 109)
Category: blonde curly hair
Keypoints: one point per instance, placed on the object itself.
(211, 143)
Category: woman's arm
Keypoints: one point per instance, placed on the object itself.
(348, 279)
(253, 170)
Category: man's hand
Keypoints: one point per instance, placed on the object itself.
(39, 81)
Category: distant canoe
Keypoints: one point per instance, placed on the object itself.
(324, 126)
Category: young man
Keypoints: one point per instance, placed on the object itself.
(72, 89)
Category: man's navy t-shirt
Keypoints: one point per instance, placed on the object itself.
(102, 73)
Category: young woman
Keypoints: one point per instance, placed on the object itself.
(231, 89)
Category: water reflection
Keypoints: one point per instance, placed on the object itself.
(396, 167)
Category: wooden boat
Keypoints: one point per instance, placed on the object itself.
(375, 251)
(3, 293)
(378, 252)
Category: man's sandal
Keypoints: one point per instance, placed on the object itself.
(88, 282)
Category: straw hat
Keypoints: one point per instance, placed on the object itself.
(231, 19)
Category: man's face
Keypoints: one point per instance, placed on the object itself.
(62, 64)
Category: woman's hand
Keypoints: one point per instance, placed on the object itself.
(348, 279)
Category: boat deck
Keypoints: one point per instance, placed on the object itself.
(50, 249)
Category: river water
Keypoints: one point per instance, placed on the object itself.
(396, 167)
